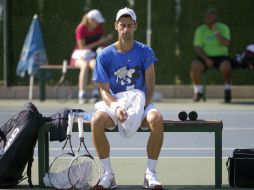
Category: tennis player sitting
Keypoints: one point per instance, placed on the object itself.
(126, 66)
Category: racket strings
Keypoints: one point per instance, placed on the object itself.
(84, 172)
(75, 170)
(60, 180)
(58, 171)
(68, 139)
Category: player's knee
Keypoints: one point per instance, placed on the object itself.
(83, 65)
(196, 66)
(155, 121)
(97, 121)
(226, 66)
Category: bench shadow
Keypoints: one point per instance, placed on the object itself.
(243, 102)
(247, 103)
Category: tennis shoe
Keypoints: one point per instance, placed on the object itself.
(95, 99)
(198, 96)
(151, 181)
(227, 96)
(83, 99)
(107, 181)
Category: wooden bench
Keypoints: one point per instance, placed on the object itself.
(49, 70)
(214, 126)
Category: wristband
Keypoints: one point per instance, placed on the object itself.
(114, 106)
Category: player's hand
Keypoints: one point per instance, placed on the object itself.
(209, 63)
(121, 114)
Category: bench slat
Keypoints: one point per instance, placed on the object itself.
(173, 126)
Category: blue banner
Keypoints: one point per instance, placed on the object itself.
(33, 52)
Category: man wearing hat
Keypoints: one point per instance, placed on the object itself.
(121, 67)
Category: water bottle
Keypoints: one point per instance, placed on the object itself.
(86, 116)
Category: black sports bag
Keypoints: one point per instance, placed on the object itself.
(18, 137)
(58, 124)
(241, 168)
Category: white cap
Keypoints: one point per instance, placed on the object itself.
(250, 48)
(126, 11)
(96, 15)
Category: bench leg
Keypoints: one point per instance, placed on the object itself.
(46, 153)
(218, 158)
(42, 155)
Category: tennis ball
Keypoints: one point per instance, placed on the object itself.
(193, 115)
(182, 115)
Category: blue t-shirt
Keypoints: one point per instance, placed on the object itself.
(124, 70)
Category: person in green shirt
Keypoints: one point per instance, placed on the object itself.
(211, 41)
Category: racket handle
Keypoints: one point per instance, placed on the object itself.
(65, 63)
(70, 123)
(80, 128)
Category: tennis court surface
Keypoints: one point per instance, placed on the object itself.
(187, 159)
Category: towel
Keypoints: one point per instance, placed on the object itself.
(133, 101)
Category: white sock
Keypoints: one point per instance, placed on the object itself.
(107, 165)
(81, 93)
(227, 86)
(151, 165)
(198, 88)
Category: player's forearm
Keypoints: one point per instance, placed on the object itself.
(107, 97)
(200, 53)
(105, 93)
(150, 84)
(101, 42)
(149, 95)
(221, 39)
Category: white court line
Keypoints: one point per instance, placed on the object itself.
(137, 149)
(238, 129)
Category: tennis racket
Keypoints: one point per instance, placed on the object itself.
(58, 169)
(84, 170)
(62, 90)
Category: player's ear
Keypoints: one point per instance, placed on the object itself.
(116, 25)
(136, 25)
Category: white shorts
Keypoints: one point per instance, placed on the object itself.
(149, 108)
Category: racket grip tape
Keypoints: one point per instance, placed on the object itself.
(65, 63)
(70, 123)
(80, 128)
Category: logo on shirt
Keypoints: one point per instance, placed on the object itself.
(127, 77)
